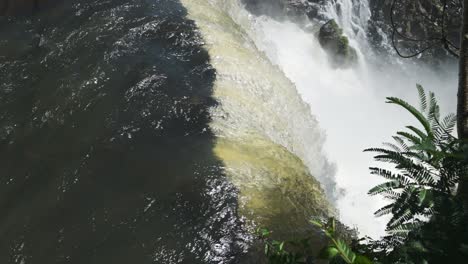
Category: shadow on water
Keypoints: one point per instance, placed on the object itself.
(105, 151)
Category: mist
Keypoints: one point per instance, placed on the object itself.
(349, 105)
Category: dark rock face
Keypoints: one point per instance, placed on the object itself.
(418, 25)
(331, 38)
(23, 7)
(415, 20)
(292, 9)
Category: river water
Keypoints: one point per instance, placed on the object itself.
(165, 131)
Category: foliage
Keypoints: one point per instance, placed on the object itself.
(285, 252)
(298, 252)
(427, 162)
(428, 223)
(338, 250)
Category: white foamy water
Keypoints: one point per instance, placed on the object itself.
(349, 105)
(259, 102)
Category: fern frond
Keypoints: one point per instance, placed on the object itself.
(391, 195)
(418, 132)
(400, 218)
(404, 229)
(421, 176)
(446, 127)
(410, 137)
(434, 109)
(424, 122)
(384, 210)
(390, 185)
(389, 175)
(422, 98)
(392, 146)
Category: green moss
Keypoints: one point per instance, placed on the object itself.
(337, 45)
(335, 27)
(343, 45)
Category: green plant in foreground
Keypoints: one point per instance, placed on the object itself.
(338, 250)
(427, 162)
(428, 223)
(285, 252)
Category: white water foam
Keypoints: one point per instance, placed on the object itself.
(349, 104)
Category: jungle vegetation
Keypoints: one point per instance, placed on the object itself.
(428, 223)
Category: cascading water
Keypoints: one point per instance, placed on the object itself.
(349, 102)
(260, 157)
(157, 131)
(351, 15)
(126, 125)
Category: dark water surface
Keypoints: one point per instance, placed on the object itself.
(105, 150)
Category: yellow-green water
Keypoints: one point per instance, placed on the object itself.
(258, 123)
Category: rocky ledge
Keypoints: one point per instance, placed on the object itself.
(331, 38)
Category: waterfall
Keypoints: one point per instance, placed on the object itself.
(163, 131)
(351, 15)
(348, 103)
(266, 136)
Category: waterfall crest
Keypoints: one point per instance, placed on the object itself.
(267, 137)
(348, 103)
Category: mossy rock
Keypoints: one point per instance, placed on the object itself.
(331, 38)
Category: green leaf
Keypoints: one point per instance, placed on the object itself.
(316, 223)
(424, 122)
(360, 259)
(346, 253)
(281, 246)
(264, 232)
(418, 132)
(410, 137)
(422, 97)
(328, 252)
(384, 210)
(391, 185)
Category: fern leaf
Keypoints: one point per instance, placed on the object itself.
(434, 109)
(422, 98)
(391, 185)
(424, 122)
(404, 229)
(410, 137)
(401, 142)
(384, 210)
(418, 132)
(392, 146)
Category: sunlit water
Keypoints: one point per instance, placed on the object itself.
(149, 132)
(164, 131)
(349, 103)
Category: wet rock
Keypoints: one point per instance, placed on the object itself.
(331, 38)
(415, 20)
(295, 10)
